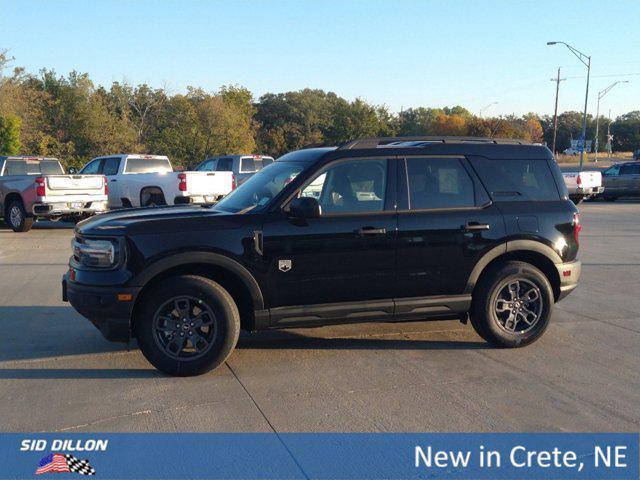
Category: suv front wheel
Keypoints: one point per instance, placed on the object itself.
(512, 305)
(187, 325)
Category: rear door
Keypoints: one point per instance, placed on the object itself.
(109, 168)
(631, 179)
(345, 255)
(446, 223)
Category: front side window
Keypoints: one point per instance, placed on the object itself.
(353, 186)
(614, 170)
(439, 183)
(208, 166)
(260, 189)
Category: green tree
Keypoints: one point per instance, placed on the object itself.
(10, 135)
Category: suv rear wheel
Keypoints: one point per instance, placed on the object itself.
(187, 326)
(512, 305)
(16, 217)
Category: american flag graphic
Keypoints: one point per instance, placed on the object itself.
(59, 463)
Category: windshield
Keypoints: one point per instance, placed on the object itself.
(257, 192)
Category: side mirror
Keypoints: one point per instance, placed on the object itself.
(304, 207)
(72, 170)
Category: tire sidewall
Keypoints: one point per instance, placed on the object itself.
(509, 273)
(15, 205)
(226, 324)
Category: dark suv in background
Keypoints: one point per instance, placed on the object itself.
(378, 229)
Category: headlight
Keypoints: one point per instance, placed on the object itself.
(95, 253)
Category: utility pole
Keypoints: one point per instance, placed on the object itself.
(555, 112)
(609, 137)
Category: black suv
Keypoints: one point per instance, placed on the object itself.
(378, 229)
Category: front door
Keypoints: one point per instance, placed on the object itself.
(445, 225)
(347, 255)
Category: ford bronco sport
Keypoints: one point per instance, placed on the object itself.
(378, 229)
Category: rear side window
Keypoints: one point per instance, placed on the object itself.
(248, 165)
(516, 180)
(110, 166)
(630, 170)
(225, 165)
(439, 183)
(15, 167)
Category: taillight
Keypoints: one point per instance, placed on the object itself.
(106, 185)
(182, 186)
(577, 228)
(41, 189)
(579, 180)
(233, 182)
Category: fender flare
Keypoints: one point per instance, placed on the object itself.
(203, 258)
(508, 247)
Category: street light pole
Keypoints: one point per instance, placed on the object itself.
(586, 61)
(601, 94)
(486, 106)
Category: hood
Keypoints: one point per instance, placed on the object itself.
(148, 220)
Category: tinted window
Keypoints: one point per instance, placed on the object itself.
(225, 165)
(614, 170)
(248, 164)
(630, 170)
(15, 167)
(355, 186)
(148, 165)
(110, 166)
(207, 166)
(439, 183)
(266, 161)
(91, 168)
(514, 180)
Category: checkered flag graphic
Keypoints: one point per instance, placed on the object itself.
(79, 466)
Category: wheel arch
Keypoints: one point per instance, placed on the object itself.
(153, 189)
(10, 197)
(230, 274)
(535, 253)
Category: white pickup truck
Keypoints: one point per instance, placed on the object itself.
(37, 187)
(149, 180)
(583, 185)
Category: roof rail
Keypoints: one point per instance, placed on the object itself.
(375, 142)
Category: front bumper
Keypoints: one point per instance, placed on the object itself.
(569, 276)
(54, 209)
(108, 308)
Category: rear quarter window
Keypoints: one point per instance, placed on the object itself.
(516, 180)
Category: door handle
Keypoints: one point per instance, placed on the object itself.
(114, 180)
(471, 226)
(371, 231)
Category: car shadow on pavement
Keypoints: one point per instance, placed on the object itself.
(77, 373)
(43, 225)
(290, 340)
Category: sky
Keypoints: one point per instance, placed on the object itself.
(400, 54)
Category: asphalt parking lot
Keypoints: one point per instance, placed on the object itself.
(58, 374)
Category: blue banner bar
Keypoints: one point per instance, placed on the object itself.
(323, 456)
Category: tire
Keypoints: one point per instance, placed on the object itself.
(197, 297)
(576, 199)
(16, 217)
(499, 327)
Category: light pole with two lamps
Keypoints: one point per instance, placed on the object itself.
(586, 60)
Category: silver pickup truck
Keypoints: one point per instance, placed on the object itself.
(37, 187)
